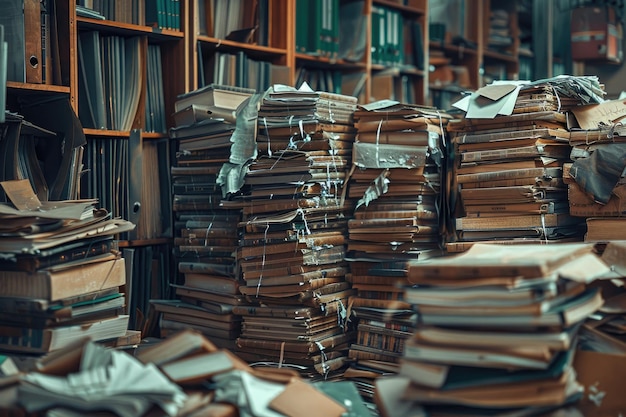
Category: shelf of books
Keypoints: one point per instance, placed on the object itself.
(40, 62)
(235, 43)
(473, 46)
(365, 48)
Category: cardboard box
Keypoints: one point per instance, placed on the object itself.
(581, 205)
(596, 34)
(602, 376)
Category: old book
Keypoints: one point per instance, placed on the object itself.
(384, 124)
(484, 260)
(196, 113)
(431, 134)
(375, 155)
(475, 168)
(288, 270)
(97, 308)
(72, 251)
(211, 282)
(516, 222)
(541, 119)
(298, 313)
(544, 392)
(451, 377)
(506, 136)
(555, 340)
(224, 96)
(537, 306)
(206, 267)
(297, 278)
(169, 327)
(605, 229)
(220, 139)
(560, 234)
(302, 346)
(567, 314)
(201, 367)
(176, 308)
(200, 294)
(505, 209)
(315, 256)
(304, 359)
(516, 194)
(54, 285)
(181, 344)
(490, 295)
(361, 352)
(424, 373)
(31, 340)
(292, 288)
(508, 174)
(63, 307)
(130, 338)
(560, 151)
(211, 306)
(536, 181)
(312, 241)
(522, 357)
(285, 325)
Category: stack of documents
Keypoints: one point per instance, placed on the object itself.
(595, 178)
(509, 153)
(206, 237)
(396, 180)
(60, 275)
(497, 326)
(293, 232)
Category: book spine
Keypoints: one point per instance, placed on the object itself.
(24, 340)
(383, 342)
(509, 153)
(510, 174)
(356, 353)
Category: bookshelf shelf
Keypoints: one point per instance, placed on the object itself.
(119, 134)
(127, 29)
(499, 56)
(14, 87)
(230, 46)
(325, 61)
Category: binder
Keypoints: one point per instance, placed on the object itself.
(3, 74)
(135, 180)
(33, 62)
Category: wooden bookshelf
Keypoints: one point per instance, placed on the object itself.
(475, 48)
(191, 48)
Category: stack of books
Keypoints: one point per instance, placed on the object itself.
(497, 328)
(509, 154)
(60, 275)
(595, 178)
(397, 175)
(293, 232)
(206, 237)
